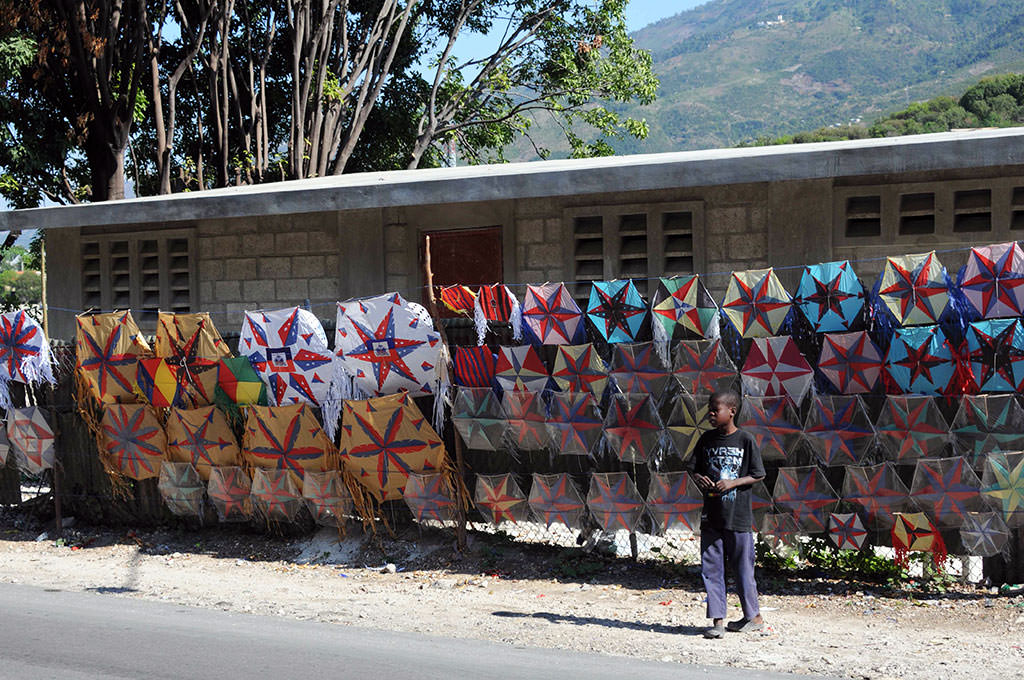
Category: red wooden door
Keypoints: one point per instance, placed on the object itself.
(468, 256)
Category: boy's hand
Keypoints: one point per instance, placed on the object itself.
(723, 485)
(704, 482)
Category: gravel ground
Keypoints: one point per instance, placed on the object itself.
(532, 595)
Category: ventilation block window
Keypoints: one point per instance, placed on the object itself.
(972, 210)
(863, 216)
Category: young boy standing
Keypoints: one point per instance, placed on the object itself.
(725, 464)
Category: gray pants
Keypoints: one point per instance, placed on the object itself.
(717, 546)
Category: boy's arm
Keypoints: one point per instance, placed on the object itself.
(755, 470)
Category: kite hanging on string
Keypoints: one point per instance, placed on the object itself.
(496, 303)
(838, 429)
(986, 424)
(636, 367)
(846, 531)
(878, 491)
(993, 280)
(774, 423)
(675, 502)
(995, 350)
(474, 366)
(551, 316)
(616, 310)
(575, 424)
(526, 420)
(686, 422)
(850, 362)
(805, 493)
(31, 439)
(920, 361)
(202, 438)
(499, 499)
(914, 532)
(776, 368)
(326, 497)
(107, 347)
(134, 443)
(633, 427)
(285, 438)
(1002, 486)
(554, 499)
(479, 419)
(703, 366)
(520, 369)
(24, 353)
(181, 488)
(682, 308)
(914, 288)
(276, 494)
(756, 303)
(945, 489)
(831, 297)
(579, 368)
(191, 343)
(458, 299)
(614, 502)
(984, 534)
(288, 348)
(428, 498)
(911, 427)
(229, 491)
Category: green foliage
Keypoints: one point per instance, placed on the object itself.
(817, 554)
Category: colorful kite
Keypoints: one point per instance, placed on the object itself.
(1002, 486)
(616, 310)
(526, 420)
(780, 531)
(850, 362)
(458, 299)
(499, 499)
(703, 366)
(107, 347)
(878, 491)
(846, 531)
(159, 383)
(519, 369)
(675, 502)
(228, 490)
(838, 429)
(632, 427)
(912, 427)
(984, 534)
(986, 424)
(945, 489)
(995, 350)
(288, 348)
(479, 419)
(326, 497)
(805, 493)
(276, 494)
(686, 422)
(182, 490)
(776, 368)
(31, 438)
(474, 366)
(551, 316)
(238, 384)
(24, 353)
(636, 367)
(920, 360)
(578, 368)
(761, 503)
(427, 497)
(201, 437)
(192, 343)
(384, 440)
(756, 303)
(831, 296)
(555, 499)
(575, 424)
(914, 532)
(914, 289)
(774, 423)
(134, 443)
(683, 307)
(285, 438)
(614, 502)
(993, 280)
(497, 303)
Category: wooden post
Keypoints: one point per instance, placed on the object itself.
(460, 467)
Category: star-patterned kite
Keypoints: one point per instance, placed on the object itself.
(636, 367)
(182, 490)
(614, 502)
(554, 499)
(134, 444)
(276, 494)
(703, 366)
(578, 368)
(850, 362)
(201, 437)
(632, 427)
(551, 316)
(984, 534)
(683, 307)
(1002, 486)
(228, 490)
(192, 343)
(831, 296)
(326, 497)
(756, 303)
(996, 355)
(499, 499)
(428, 497)
(106, 349)
(616, 310)
(920, 360)
(993, 280)
(686, 422)
(31, 439)
(575, 423)
(774, 368)
(24, 353)
(986, 424)
(805, 493)
(526, 420)
(914, 532)
(774, 423)
(520, 369)
(846, 531)
(913, 288)
(479, 418)
(838, 429)
(288, 348)
(911, 427)
(945, 489)
(780, 531)
(675, 502)
(878, 491)
(285, 438)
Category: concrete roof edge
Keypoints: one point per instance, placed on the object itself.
(541, 179)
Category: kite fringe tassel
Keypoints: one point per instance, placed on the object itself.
(338, 392)
(479, 321)
(661, 340)
(515, 317)
(442, 387)
(5, 393)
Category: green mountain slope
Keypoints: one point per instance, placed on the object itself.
(734, 70)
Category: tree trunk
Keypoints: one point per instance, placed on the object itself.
(104, 148)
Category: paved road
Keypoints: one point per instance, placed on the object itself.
(73, 635)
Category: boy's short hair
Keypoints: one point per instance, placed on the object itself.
(728, 397)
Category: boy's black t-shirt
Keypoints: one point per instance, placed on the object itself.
(730, 456)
